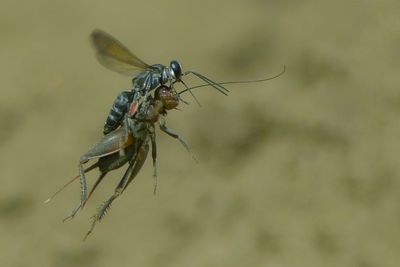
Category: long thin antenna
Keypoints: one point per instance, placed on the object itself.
(190, 91)
(209, 82)
(235, 82)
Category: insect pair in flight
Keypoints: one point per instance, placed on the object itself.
(129, 130)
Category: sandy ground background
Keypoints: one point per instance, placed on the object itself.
(299, 171)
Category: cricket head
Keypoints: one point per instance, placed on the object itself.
(168, 97)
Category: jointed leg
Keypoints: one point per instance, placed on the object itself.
(98, 181)
(168, 131)
(82, 180)
(111, 143)
(88, 169)
(107, 204)
(134, 167)
(80, 205)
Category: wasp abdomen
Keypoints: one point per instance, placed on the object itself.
(117, 112)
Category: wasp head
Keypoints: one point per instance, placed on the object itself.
(176, 69)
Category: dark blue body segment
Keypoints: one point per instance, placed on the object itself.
(119, 108)
(148, 80)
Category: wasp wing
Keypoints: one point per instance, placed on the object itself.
(113, 55)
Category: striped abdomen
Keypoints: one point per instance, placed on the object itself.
(117, 112)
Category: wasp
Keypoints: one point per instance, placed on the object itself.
(130, 127)
(113, 55)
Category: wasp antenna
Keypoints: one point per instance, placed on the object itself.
(236, 82)
(190, 91)
(209, 82)
(204, 78)
(259, 80)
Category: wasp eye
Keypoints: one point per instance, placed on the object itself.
(176, 68)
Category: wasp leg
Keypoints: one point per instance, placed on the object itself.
(168, 131)
(154, 157)
(134, 166)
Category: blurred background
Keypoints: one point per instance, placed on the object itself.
(302, 170)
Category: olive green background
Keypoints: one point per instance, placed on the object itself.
(299, 171)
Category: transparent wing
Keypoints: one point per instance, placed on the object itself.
(114, 55)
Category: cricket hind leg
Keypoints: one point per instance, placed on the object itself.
(109, 163)
(105, 165)
(83, 183)
(107, 146)
(80, 205)
(134, 167)
(88, 169)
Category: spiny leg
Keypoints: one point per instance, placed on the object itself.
(102, 210)
(168, 131)
(98, 181)
(82, 179)
(108, 145)
(88, 169)
(83, 184)
(80, 206)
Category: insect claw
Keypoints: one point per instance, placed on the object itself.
(70, 217)
(88, 233)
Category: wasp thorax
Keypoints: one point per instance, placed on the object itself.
(168, 98)
(176, 69)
